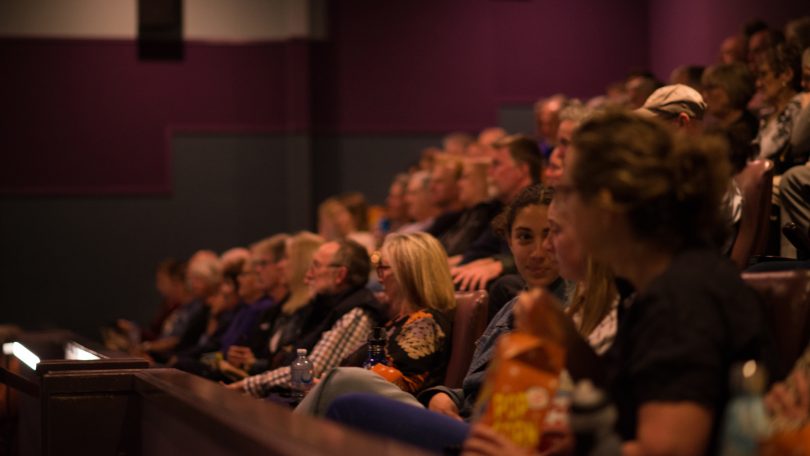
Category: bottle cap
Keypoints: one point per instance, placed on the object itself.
(301, 352)
(587, 397)
(749, 377)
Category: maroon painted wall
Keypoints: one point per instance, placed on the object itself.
(85, 117)
(690, 31)
(441, 66)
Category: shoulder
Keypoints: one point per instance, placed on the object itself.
(700, 297)
(426, 320)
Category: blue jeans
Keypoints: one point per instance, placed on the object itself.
(404, 422)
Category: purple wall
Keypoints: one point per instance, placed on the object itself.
(85, 117)
(690, 31)
(440, 66)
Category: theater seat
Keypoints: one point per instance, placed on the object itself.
(469, 322)
(786, 295)
(755, 182)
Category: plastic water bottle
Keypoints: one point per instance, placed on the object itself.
(376, 348)
(593, 418)
(301, 374)
(746, 422)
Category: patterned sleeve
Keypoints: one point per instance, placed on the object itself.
(415, 351)
(345, 336)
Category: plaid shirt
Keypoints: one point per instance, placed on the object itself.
(346, 335)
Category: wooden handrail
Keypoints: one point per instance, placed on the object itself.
(251, 426)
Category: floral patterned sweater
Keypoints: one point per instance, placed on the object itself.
(417, 350)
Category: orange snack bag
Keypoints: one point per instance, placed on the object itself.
(522, 379)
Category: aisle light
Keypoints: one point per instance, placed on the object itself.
(78, 352)
(25, 355)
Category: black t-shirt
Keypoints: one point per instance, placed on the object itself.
(678, 339)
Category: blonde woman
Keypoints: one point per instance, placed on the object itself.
(414, 273)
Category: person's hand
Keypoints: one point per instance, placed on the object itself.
(454, 260)
(230, 371)
(791, 403)
(484, 441)
(236, 386)
(126, 325)
(442, 403)
(241, 357)
(475, 275)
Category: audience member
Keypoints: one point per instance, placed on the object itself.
(224, 306)
(456, 143)
(797, 33)
(570, 118)
(272, 341)
(396, 209)
(593, 303)
(546, 113)
(420, 205)
(778, 82)
(639, 86)
(734, 49)
(517, 164)
(477, 213)
(343, 313)
(727, 89)
(688, 75)
(413, 270)
(203, 277)
(654, 226)
(336, 221)
(487, 139)
(170, 282)
(443, 426)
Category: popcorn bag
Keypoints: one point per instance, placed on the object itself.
(520, 386)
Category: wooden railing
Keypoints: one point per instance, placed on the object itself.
(120, 406)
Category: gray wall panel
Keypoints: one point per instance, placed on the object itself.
(76, 262)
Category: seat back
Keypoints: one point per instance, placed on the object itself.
(469, 322)
(786, 296)
(755, 182)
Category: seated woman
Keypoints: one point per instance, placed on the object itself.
(779, 81)
(413, 271)
(646, 203)
(525, 223)
(594, 300)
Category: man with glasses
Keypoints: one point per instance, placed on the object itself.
(343, 313)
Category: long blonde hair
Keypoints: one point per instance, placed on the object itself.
(301, 248)
(593, 297)
(420, 267)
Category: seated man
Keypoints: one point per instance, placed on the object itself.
(343, 314)
(517, 164)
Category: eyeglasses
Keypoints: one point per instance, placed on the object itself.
(379, 266)
(317, 265)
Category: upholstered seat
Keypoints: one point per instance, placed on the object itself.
(786, 295)
(469, 322)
